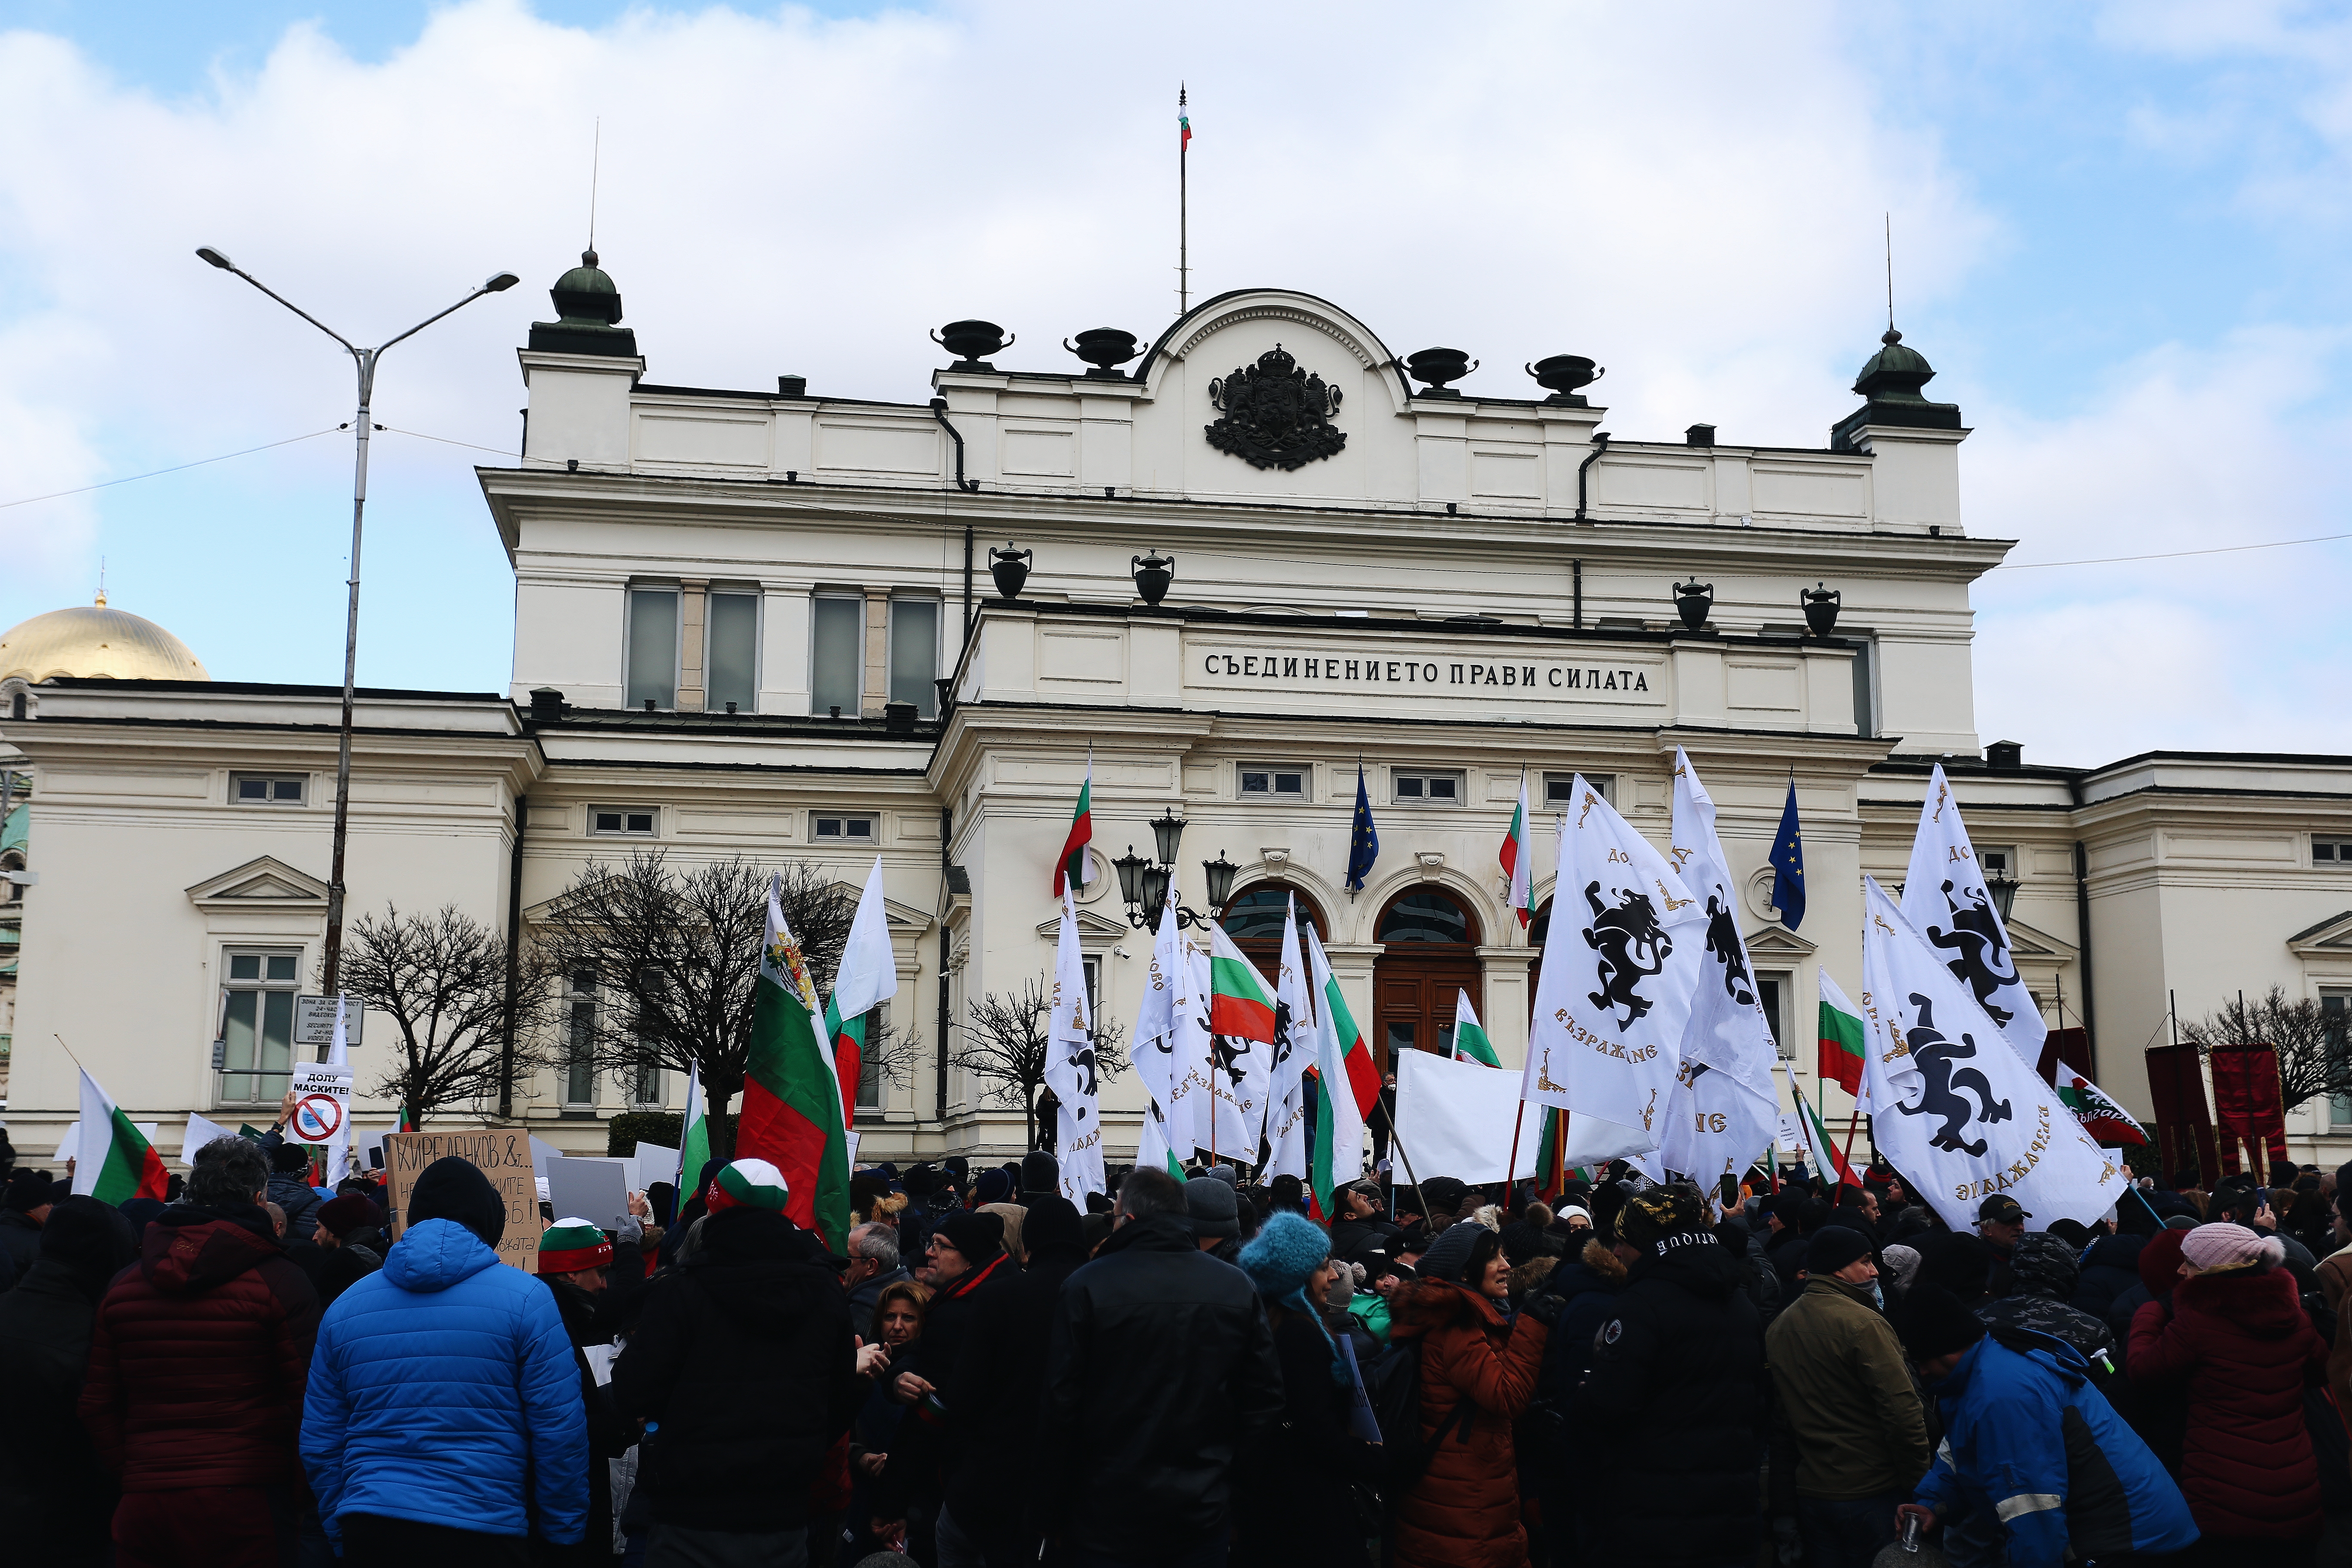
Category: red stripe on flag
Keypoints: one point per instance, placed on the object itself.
(1082, 833)
(1241, 1018)
(850, 1066)
(1363, 1079)
(768, 1129)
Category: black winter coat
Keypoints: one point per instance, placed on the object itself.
(55, 1493)
(924, 1452)
(744, 1360)
(594, 1320)
(1350, 1237)
(1785, 1251)
(995, 1393)
(20, 1241)
(1293, 1502)
(1161, 1366)
(1678, 1377)
(2109, 1269)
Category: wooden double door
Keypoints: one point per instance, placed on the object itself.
(1429, 956)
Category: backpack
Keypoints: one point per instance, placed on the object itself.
(1394, 1386)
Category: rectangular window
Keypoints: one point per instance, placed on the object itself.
(653, 647)
(842, 829)
(915, 654)
(1427, 788)
(267, 789)
(1772, 990)
(1274, 781)
(836, 654)
(580, 1043)
(1997, 860)
(621, 821)
(869, 1061)
(258, 1026)
(1559, 789)
(732, 663)
(2331, 852)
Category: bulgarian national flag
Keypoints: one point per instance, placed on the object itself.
(1518, 865)
(1470, 1042)
(791, 1114)
(1071, 869)
(694, 1140)
(1240, 1004)
(1338, 1153)
(2102, 1118)
(867, 977)
(1551, 1171)
(1355, 1054)
(113, 1161)
(1826, 1151)
(1841, 1040)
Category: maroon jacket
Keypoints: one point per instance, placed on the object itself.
(2245, 1347)
(198, 1356)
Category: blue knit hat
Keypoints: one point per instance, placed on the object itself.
(1285, 1250)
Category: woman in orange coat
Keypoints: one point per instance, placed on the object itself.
(1477, 1371)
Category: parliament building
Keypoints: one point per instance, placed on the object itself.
(1226, 569)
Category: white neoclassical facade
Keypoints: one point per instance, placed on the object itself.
(766, 624)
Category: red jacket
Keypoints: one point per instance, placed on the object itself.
(1463, 1512)
(198, 1356)
(2245, 1348)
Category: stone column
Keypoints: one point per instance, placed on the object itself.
(1505, 972)
(690, 603)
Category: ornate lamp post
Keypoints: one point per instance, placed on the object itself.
(1144, 885)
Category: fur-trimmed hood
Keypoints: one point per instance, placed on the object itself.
(1602, 1261)
(1429, 1304)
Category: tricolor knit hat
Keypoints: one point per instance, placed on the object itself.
(2214, 1248)
(747, 1184)
(571, 1245)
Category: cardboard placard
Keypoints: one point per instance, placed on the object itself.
(500, 1153)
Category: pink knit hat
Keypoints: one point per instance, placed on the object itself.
(2211, 1248)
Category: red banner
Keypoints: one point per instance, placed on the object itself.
(2184, 1127)
(2068, 1048)
(2246, 1099)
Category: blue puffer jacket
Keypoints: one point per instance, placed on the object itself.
(413, 1407)
(2030, 1442)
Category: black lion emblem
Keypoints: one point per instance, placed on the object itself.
(1980, 957)
(1277, 416)
(1632, 947)
(1936, 1054)
(1723, 941)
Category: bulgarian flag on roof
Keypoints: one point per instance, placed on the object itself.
(113, 1161)
(1071, 869)
(2101, 1117)
(1517, 863)
(790, 1115)
(1841, 1034)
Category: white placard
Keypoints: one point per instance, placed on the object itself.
(201, 1131)
(1454, 1119)
(655, 1162)
(594, 1190)
(1791, 1136)
(314, 1022)
(322, 1102)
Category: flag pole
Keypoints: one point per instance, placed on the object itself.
(1511, 1165)
(1184, 198)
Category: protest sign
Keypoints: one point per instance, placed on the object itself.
(500, 1153)
(594, 1189)
(322, 1103)
(1454, 1118)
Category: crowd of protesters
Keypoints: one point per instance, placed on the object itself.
(1179, 1373)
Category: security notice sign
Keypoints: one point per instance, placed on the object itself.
(314, 1020)
(501, 1154)
(322, 1101)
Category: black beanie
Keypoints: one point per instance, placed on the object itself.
(978, 1237)
(451, 1188)
(1040, 1173)
(28, 1190)
(1931, 1321)
(290, 1159)
(1052, 1221)
(92, 1240)
(1832, 1247)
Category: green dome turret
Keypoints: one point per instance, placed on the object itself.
(1892, 381)
(588, 311)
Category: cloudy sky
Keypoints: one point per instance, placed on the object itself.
(2119, 235)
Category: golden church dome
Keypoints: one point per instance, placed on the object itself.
(92, 640)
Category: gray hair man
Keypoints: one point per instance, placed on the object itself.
(874, 1268)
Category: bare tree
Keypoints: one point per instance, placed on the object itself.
(441, 979)
(2314, 1056)
(671, 958)
(1004, 1048)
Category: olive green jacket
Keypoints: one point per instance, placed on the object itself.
(1846, 1394)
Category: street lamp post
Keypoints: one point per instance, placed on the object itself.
(331, 964)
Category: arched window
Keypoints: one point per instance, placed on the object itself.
(1253, 920)
(1427, 916)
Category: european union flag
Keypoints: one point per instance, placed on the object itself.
(1363, 845)
(1789, 864)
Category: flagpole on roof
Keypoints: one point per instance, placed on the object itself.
(1183, 239)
